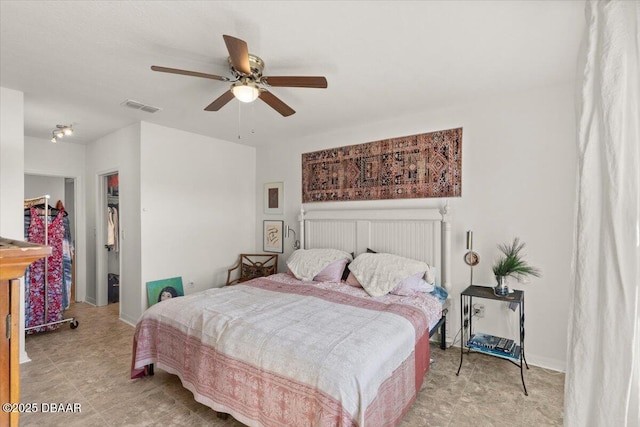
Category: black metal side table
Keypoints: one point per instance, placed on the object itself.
(466, 320)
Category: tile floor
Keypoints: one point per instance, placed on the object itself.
(90, 366)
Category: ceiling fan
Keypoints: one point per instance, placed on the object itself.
(248, 83)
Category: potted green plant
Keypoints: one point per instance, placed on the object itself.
(512, 263)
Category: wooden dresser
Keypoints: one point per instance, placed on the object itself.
(15, 257)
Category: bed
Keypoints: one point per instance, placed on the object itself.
(278, 351)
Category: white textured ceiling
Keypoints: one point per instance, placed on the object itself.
(76, 61)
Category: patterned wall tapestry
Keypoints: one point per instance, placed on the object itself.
(416, 166)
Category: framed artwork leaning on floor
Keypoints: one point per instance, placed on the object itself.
(160, 290)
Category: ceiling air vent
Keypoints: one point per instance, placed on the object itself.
(140, 106)
(150, 109)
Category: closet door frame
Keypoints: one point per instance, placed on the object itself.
(102, 261)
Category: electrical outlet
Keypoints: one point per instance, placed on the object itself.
(478, 310)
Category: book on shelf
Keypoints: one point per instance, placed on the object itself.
(484, 340)
(508, 347)
(495, 345)
(505, 345)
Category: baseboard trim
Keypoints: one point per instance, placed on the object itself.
(126, 319)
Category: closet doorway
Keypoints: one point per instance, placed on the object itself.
(109, 250)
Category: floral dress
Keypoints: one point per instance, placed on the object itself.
(34, 291)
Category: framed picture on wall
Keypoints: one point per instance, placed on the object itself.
(272, 236)
(273, 198)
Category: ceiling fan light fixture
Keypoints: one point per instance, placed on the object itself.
(247, 83)
(245, 91)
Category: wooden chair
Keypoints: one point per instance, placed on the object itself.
(251, 266)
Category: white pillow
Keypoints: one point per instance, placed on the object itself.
(412, 285)
(430, 276)
(305, 264)
(380, 273)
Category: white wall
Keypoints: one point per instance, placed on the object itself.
(119, 151)
(198, 206)
(12, 179)
(11, 163)
(37, 185)
(64, 160)
(518, 179)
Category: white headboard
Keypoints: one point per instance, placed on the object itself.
(422, 234)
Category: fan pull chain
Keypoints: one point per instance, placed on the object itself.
(238, 120)
(253, 117)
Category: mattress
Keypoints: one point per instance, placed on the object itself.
(277, 351)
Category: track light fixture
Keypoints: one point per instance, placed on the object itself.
(60, 131)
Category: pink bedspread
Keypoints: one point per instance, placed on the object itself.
(278, 352)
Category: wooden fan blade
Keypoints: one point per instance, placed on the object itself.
(296, 81)
(239, 53)
(276, 103)
(220, 102)
(189, 73)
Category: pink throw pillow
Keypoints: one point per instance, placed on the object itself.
(411, 285)
(352, 281)
(332, 272)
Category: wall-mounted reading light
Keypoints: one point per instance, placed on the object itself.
(296, 242)
(60, 132)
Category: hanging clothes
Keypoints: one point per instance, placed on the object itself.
(68, 251)
(27, 273)
(112, 228)
(35, 291)
(67, 254)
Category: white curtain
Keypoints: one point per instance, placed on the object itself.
(602, 386)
